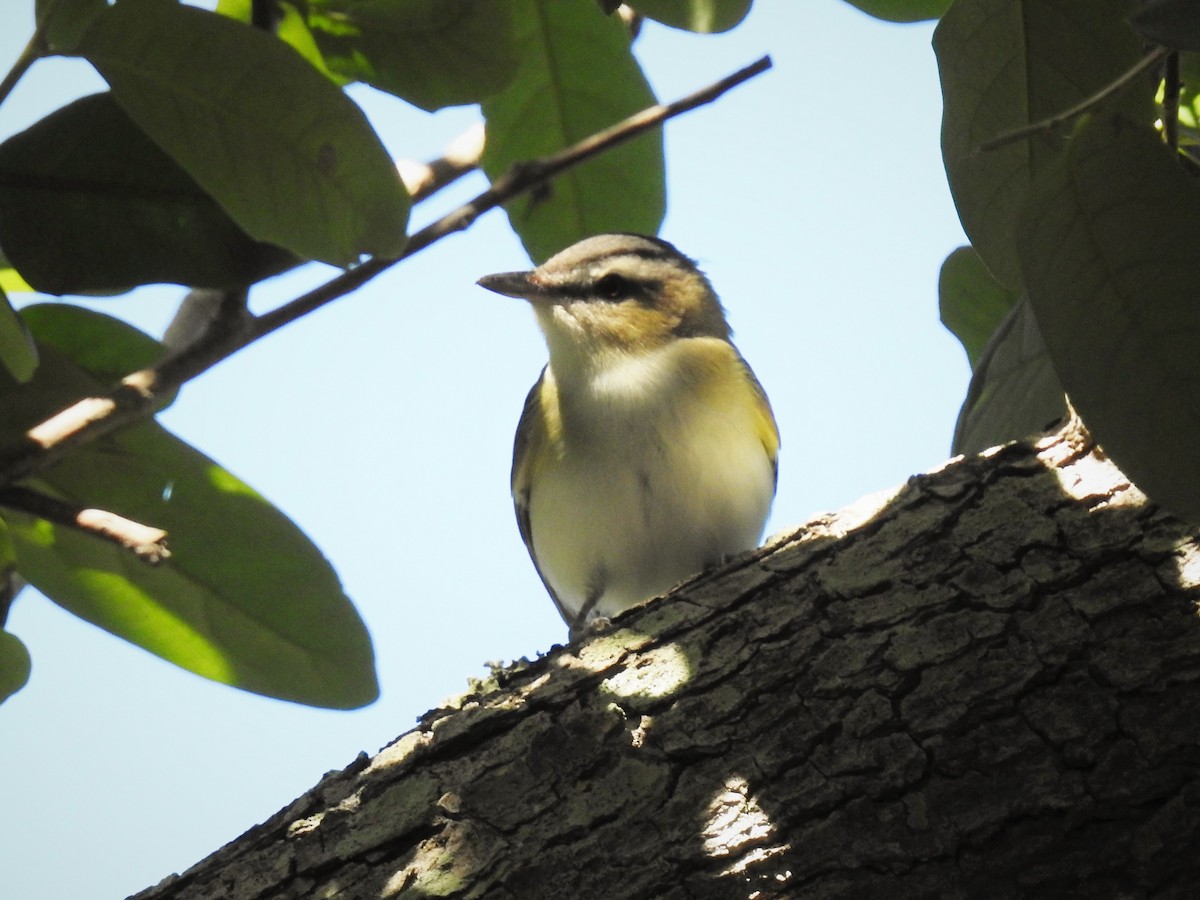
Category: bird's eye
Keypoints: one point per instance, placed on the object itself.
(613, 287)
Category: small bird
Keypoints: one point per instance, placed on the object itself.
(646, 452)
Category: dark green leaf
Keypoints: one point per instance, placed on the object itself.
(1014, 391)
(1109, 244)
(433, 53)
(15, 665)
(71, 20)
(91, 205)
(14, 657)
(1005, 64)
(902, 10)
(286, 153)
(704, 16)
(1172, 23)
(245, 598)
(972, 303)
(577, 75)
(18, 353)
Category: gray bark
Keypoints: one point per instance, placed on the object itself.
(985, 685)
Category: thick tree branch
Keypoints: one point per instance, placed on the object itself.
(138, 394)
(983, 684)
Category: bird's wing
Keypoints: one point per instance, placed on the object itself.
(533, 435)
(768, 431)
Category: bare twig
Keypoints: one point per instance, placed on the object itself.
(138, 393)
(1019, 134)
(461, 156)
(147, 543)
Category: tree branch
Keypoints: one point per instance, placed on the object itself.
(137, 395)
(146, 543)
(985, 683)
(461, 156)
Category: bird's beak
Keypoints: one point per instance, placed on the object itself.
(511, 284)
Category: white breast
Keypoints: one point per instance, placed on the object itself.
(659, 477)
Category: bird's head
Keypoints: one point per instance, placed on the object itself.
(612, 294)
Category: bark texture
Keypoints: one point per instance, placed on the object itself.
(983, 685)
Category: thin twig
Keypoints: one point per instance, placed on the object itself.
(138, 393)
(1011, 137)
(423, 180)
(145, 542)
(515, 181)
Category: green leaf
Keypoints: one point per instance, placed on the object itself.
(15, 665)
(293, 30)
(71, 20)
(577, 76)
(14, 657)
(1005, 64)
(91, 205)
(107, 348)
(704, 16)
(245, 598)
(18, 353)
(972, 303)
(1014, 392)
(433, 53)
(902, 10)
(287, 154)
(1109, 244)
(1172, 23)
(239, 10)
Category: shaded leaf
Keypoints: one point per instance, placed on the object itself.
(14, 657)
(1014, 391)
(902, 10)
(15, 665)
(577, 75)
(704, 16)
(1172, 23)
(91, 205)
(245, 598)
(971, 302)
(1109, 243)
(18, 353)
(71, 20)
(433, 53)
(1005, 64)
(286, 153)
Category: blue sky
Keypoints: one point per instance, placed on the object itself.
(815, 199)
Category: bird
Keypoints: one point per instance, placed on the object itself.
(647, 450)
